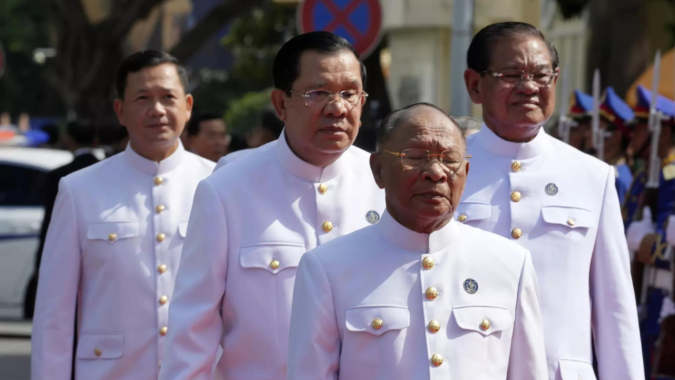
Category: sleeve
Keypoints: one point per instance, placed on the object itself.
(614, 314)
(528, 356)
(58, 285)
(195, 322)
(314, 344)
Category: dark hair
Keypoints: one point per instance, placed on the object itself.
(148, 58)
(82, 132)
(478, 56)
(391, 121)
(287, 62)
(196, 120)
(270, 121)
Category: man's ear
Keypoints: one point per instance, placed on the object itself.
(472, 80)
(466, 175)
(118, 106)
(376, 168)
(279, 99)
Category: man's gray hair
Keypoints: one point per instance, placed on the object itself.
(391, 121)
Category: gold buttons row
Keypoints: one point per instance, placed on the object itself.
(160, 208)
(327, 226)
(113, 237)
(428, 262)
(516, 233)
(516, 196)
(323, 188)
(163, 331)
(462, 218)
(163, 300)
(516, 166)
(158, 181)
(437, 360)
(274, 264)
(161, 268)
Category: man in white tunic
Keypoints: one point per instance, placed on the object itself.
(557, 202)
(254, 218)
(419, 295)
(115, 238)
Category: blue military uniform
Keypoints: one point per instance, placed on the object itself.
(581, 105)
(653, 245)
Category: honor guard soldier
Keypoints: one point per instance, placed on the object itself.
(647, 237)
(615, 116)
(115, 237)
(581, 106)
(557, 202)
(419, 295)
(254, 218)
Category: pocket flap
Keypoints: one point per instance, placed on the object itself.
(182, 229)
(469, 211)
(575, 370)
(273, 257)
(95, 346)
(568, 216)
(472, 318)
(362, 318)
(112, 231)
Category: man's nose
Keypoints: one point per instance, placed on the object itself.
(527, 86)
(434, 171)
(336, 107)
(157, 109)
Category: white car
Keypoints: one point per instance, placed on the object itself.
(22, 176)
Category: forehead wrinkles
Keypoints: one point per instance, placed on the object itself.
(520, 52)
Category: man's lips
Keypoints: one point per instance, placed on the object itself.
(432, 195)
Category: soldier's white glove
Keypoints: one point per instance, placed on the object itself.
(638, 230)
(670, 231)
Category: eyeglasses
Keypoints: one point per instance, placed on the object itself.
(319, 98)
(515, 79)
(415, 158)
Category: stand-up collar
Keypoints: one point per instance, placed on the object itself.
(296, 166)
(521, 151)
(153, 168)
(415, 241)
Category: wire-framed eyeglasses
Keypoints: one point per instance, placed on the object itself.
(515, 79)
(415, 158)
(319, 98)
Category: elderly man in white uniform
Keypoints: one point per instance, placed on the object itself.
(419, 295)
(254, 219)
(555, 201)
(115, 238)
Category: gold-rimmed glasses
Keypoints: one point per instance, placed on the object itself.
(319, 98)
(414, 158)
(516, 78)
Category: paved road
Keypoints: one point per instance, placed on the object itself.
(15, 350)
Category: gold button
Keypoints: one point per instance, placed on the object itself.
(159, 208)
(274, 264)
(516, 233)
(327, 226)
(97, 352)
(161, 237)
(485, 325)
(112, 237)
(462, 218)
(431, 293)
(434, 326)
(323, 188)
(377, 323)
(428, 262)
(437, 360)
(515, 196)
(515, 166)
(163, 331)
(161, 269)
(159, 181)
(163, 300)
(571, 222)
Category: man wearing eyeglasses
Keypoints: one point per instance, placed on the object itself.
(253, 219)
(557, 202)
(419, 295)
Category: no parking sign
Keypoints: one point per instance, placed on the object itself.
(358, 21)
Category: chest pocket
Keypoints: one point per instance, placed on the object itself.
(377, 320)
(473, 211)
(570, 217)
(484, 320)
(112, 232)
(272, 257)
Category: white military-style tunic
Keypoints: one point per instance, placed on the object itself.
(389, 303)
(562, 206)
(113, 248)
(251, 223)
